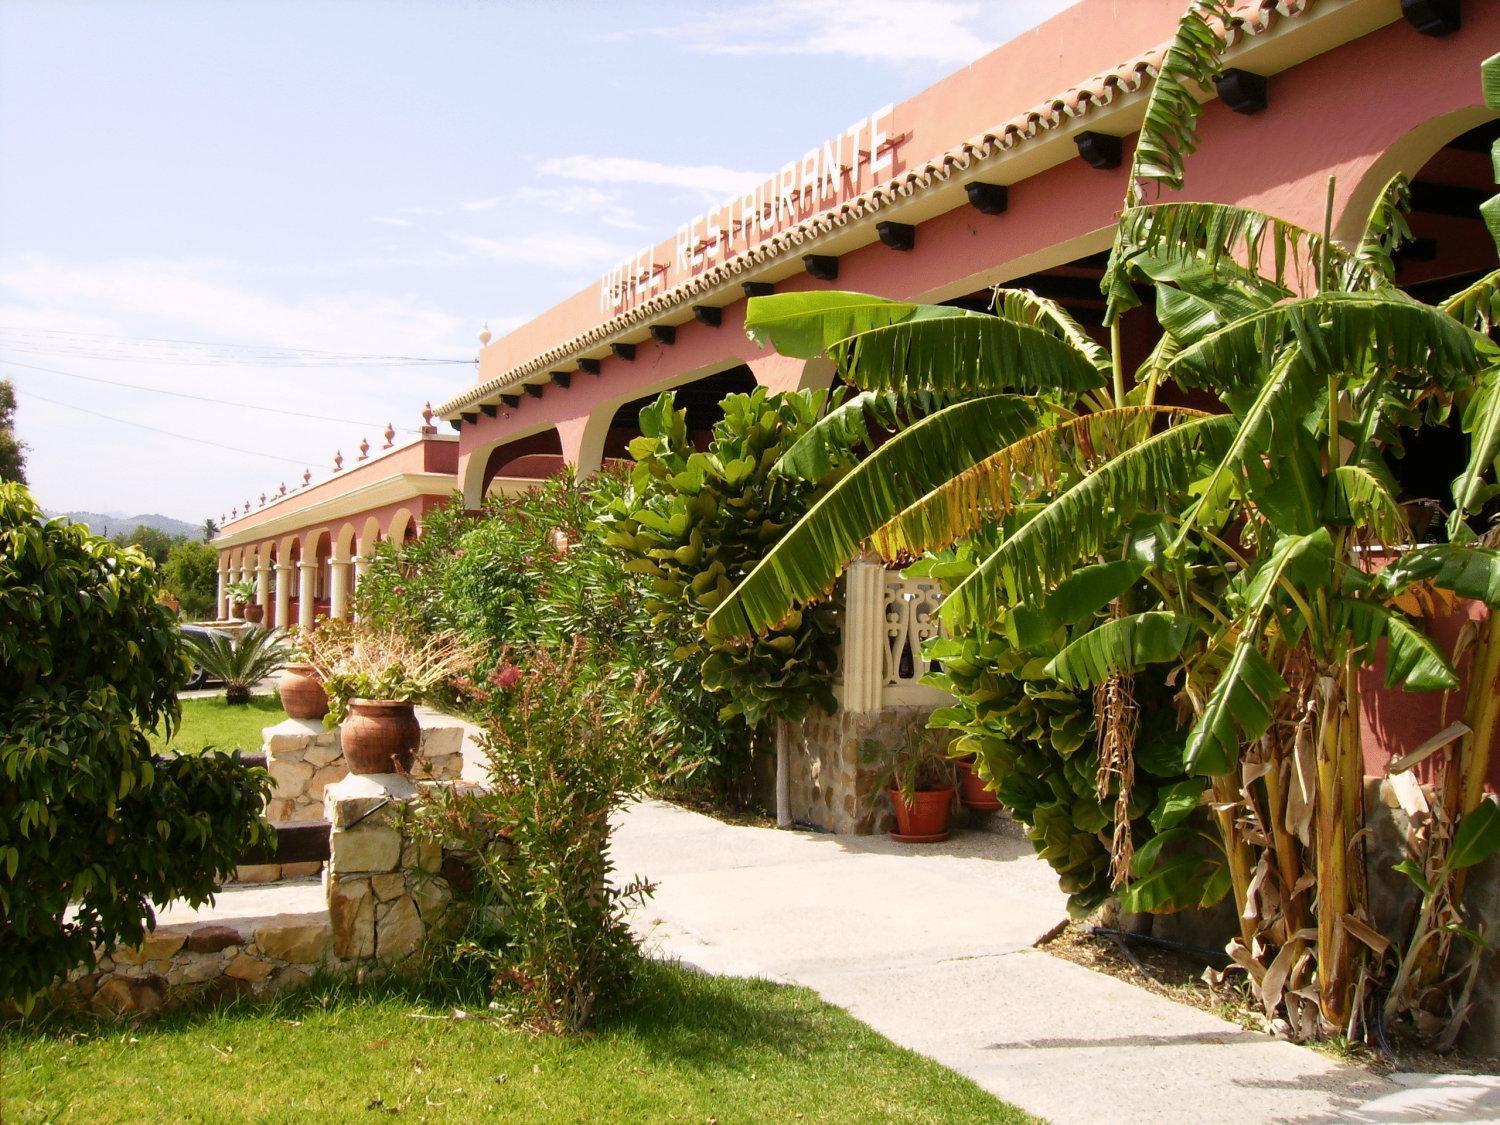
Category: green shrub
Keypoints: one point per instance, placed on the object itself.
(242, 661)
(89, 818)
(191, 575)
(536, 911)
(694, 523)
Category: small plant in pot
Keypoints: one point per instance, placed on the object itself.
(242, 594)
(374, 679)
(240, 662)
(918, 775)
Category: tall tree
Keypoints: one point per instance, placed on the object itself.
(210, 529)
(12, 451)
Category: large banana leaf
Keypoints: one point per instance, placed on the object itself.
(970, 355)
(1079, 596)
(807, 560)
(1276, 409)
(1360, 498)
(1489, 81)
(1239, 706)
(1012, 475)
(1339, 333)
(1195, 298)
(804, 325)
(1079, 523)
(1470, 572)
(1232, 238)
(1476, 306)
(1386, 229)
(839, 434)
(1481, 421)
(1412, 661)
(1025, 307)
(1120, 646)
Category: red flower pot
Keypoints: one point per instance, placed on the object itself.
(972, 790)
(926, 819)
(380, 736)
(302, 694)
(255, 613)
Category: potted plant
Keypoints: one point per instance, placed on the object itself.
(242, 595)
(373, 680)
(973, 790)
(918, 775)
(301, 687)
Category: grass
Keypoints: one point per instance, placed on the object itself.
(212, 722)
(693, 1048)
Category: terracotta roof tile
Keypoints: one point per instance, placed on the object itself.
(1253, 18)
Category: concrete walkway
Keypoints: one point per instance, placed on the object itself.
(932, 947)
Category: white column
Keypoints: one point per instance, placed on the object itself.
(309, 572)
(221, 606)
(282, 619)
(864, 636)
(338, 588)
(263, 589)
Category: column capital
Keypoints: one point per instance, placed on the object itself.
(305, 565)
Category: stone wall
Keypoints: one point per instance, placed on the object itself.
(304, 758)
(206, 960)
(385, 890)
(829, 787)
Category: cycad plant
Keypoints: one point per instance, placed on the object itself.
(240, 662)
(1321, 363)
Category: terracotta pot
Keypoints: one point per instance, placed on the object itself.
(926, 819)
(380, 736)
(302, 694)
(237, 609)
(255, 613)
(971, 788)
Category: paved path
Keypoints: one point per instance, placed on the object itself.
(933, 949)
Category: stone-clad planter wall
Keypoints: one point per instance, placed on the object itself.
(384, 893)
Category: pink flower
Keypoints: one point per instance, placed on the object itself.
(506, 676)
(458, 552)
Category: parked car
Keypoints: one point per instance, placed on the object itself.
(198, 678)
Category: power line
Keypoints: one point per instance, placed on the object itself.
(166, 433)
(205, 398)
(70, 336)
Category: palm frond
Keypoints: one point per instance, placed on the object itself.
(804, 325)
(1014, 474)
(965, 355)
(1025, 307)
(806, 561)
(1476, 306)
(1386, 229)
(1338, 334)
(1079, 523)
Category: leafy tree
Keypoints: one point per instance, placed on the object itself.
(156, 544)
(191, 575)
(95, 831)
(12, 449)
(210, 529)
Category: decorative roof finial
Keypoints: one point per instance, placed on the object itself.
(427, 426)
(364, 448)
(234, 513)
(484, 335)
(390, 436)
(282, 490)
(338, 460)
(262, 499)
(306, 476)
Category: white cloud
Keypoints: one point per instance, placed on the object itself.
(898, 31)
(564, 251)
(482, 204)
(712, 179)
(583, 200)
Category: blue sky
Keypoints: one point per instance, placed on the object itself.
(370, 179)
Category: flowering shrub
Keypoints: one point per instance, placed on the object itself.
(534, 907)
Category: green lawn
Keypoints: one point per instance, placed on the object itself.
(212, 722)
(694, 1048)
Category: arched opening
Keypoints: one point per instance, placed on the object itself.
(701, 398)
(1450, 249)
(402, 529)
(531, 458)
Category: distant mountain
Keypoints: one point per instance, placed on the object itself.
(112, 523)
